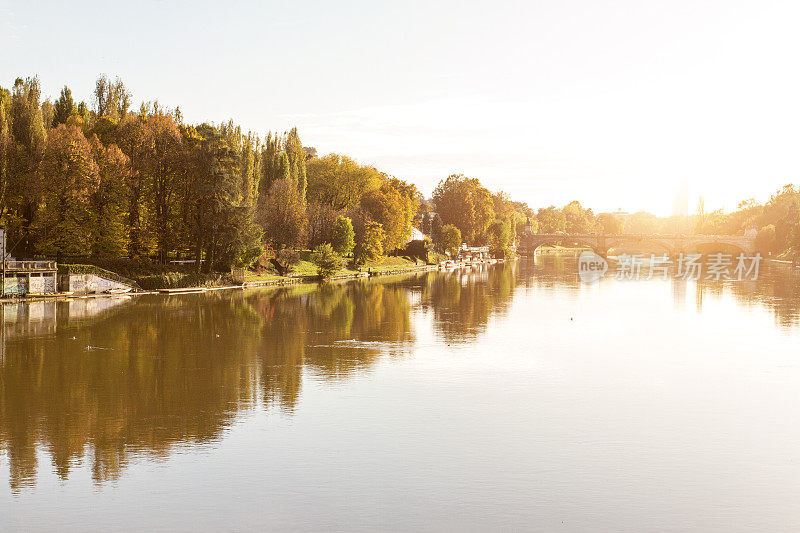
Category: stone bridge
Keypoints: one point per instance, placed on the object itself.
(670, 244)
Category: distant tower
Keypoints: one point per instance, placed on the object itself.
(528, 226)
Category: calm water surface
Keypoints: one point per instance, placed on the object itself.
(508, 397)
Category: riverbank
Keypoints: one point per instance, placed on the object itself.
(386, 267)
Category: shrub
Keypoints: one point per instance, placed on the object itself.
(327, 260)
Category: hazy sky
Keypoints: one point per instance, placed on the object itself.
(613, 103)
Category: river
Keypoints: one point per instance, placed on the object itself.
(506, 397)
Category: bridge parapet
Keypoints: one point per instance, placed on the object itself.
(602, 243)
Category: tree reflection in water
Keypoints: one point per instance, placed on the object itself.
(110, 380)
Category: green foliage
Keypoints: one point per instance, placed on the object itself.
(343, 235)
(327, 260)
(450, 240)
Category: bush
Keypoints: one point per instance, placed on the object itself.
(327, 260)
(418, 250)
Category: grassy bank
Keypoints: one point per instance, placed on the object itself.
(308, 270)
(153, 276)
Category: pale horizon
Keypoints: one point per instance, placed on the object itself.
(611, 104)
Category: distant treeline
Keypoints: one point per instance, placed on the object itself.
(105, 180)
(776, 223)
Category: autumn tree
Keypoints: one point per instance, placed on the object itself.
(765, 240)
(466, 204)
(67, 179)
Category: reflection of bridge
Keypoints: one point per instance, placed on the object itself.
(670, 244)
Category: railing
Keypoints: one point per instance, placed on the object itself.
(30, 265)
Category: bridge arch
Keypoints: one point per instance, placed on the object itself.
(642, 245)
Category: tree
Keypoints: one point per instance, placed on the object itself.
(108, 233)
(765, 240)
(466, 204)
(577, 219)
(67, 179)
(296, 158)
(551, 220)
(435, 227)
(135, 141)
(28, 137)
(610, 223)
(283, 215)
(6, 145)
(368, 242)
(499, 238)
(111, 99)
(164, 171)
(223, 227)
(63, 108)
(450, 240)
(343, 236)
(387, 207)
(642, 222)
(339, 182)
(327, 260)
(320, 222)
